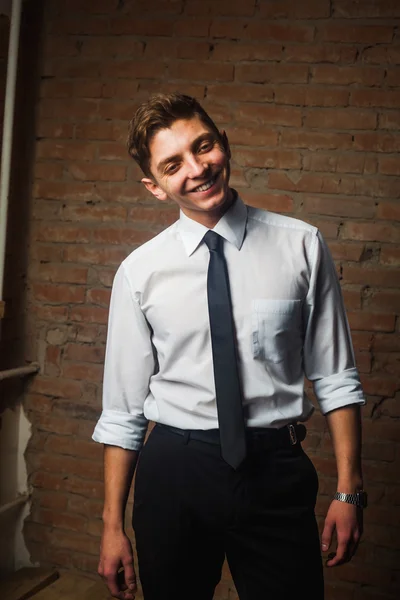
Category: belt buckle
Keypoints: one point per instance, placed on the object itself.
(292, 435)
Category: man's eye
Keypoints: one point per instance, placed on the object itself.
(206, 147)
(171, 168)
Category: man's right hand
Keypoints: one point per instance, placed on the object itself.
(116, 552)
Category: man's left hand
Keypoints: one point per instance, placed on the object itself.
(347, 520)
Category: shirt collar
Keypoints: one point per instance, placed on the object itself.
(231, 226)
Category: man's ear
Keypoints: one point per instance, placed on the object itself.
(154, 189)
(225, 143)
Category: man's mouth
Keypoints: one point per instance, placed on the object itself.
(206, 186)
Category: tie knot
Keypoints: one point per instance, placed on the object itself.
(213, 241)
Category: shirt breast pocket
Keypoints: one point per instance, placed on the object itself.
(276, 329)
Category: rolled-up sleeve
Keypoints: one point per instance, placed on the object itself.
(129, 364)
(328, 352)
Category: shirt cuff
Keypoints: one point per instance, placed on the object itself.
(116, 428)
(338, 390)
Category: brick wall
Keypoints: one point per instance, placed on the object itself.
(308, 93)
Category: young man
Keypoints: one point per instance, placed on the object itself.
(213, 326)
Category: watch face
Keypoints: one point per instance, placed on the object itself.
(362, 499)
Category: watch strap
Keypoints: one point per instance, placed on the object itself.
(358, 498)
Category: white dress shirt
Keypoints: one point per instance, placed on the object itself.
(289, 317)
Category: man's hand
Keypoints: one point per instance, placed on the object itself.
(116, 552)
(347, 520)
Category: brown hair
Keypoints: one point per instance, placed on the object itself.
(160, 112)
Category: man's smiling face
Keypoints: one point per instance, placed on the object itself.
(190, 166)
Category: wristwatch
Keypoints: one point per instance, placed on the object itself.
(359, 498)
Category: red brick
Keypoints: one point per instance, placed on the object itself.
(51, 500)
(98, 213)
(363, 321)
(338, 75)
(74, 541)
(47, 170)
(352, 298)
(63, 233)
(377, 142)
(84, 353)
(54, 88)
(56, 518)
(389, 211)
(192, 27)
(61, 273)
(328, 228)
(346, 251)
(58, 294)
(225, 8)
(60, 190)
(377, 277)
(352, 9)
(381, 55)
(388, 301)
(45, 210)
(60, 45)
(93, 314)
(106, 276)
(315, 140)
(54, 129)
(379, 385)
(359, 34)
(84, 506)
(389, 165)
(95, 172)
(82, 372)
(273, 159)
(374, 98)
(340, 163)
(338, 207)
(95, 255)
(276, 115)
(101, 131)
(370, 232)
(311, 96)
(200, 71)
(52, 364)
(72, 68)
(150, 215)
(236, 52)
(100, 297)
(56, 387)
(273, 202)
(390, 256)
(65, 150)
(286, 9)
(241, 93)
(113, 109)
(50, 313)
(320, 53)
(121, 236)
(330, 118)
(280, 32)
(386, 343)
(389, 120)
(271, 73)
(251, 136)
(137, 26)
(111, 46)
(120, 89)
(133, 69)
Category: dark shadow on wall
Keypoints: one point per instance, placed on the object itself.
(14, 340)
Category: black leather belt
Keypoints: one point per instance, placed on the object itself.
(264, 437)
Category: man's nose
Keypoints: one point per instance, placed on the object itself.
(196, 166)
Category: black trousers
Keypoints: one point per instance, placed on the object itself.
(191, 510)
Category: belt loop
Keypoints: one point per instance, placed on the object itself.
(186, 437)
(292, 434)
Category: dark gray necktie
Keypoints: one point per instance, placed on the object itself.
(227, 385)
